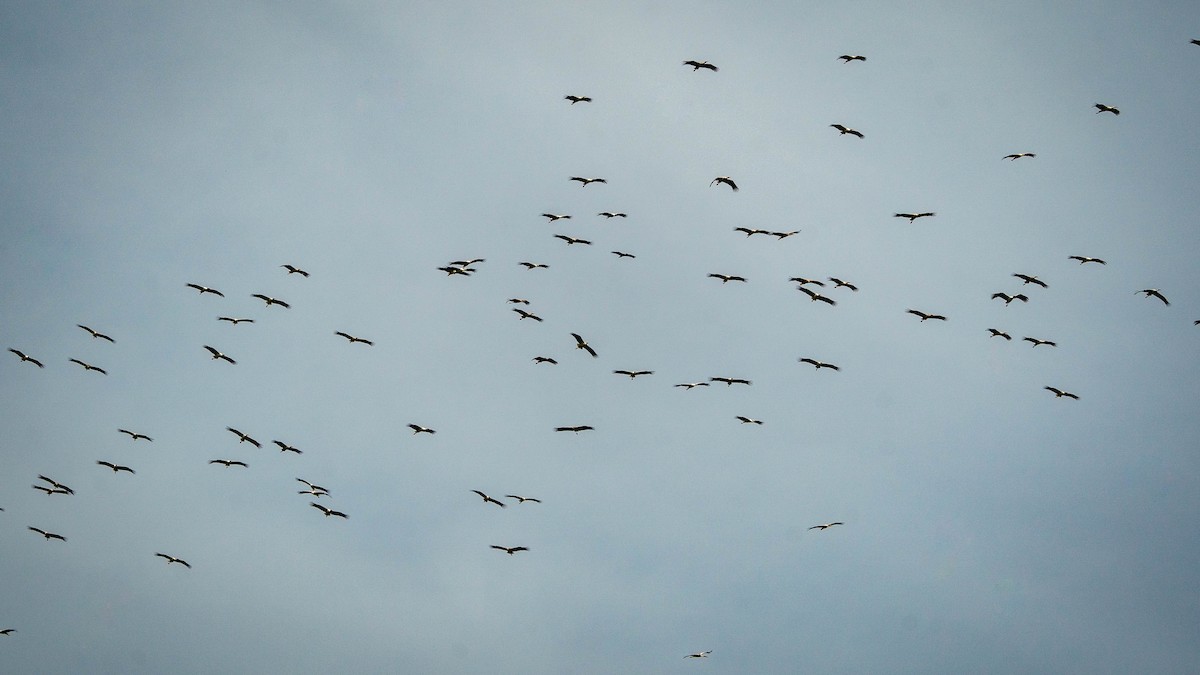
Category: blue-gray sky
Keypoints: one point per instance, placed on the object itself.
(989, 526)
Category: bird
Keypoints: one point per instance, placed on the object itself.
(1195, 42)
(328, 512)
(847, 130)
(25, 357)
(556, 216)
(135, 436)
(1014, 157)
(467, 263)
(313, 493)
(522, 500)
(510, 549)
(1154, 292)
(545, 359)
(1059, 393)
(518, 301)
(1084, 259)
(311, 486)
(726, 180)
(838, 283)
(418, 429)
(572, 240)
(1037, 342)
(284, 447)
(270, 301)
(487, 499)
(172, 559)
(1009, 298)
(818, 364)
(1030, 279)
(697, 65)
(622, 254)
(690, 385)
(847, 58)
(783, 235)
(243, 438)
(999, 333)
(57, 485)
(726, 278)
(612, 214)
(814, 296)
(925, 316)
(50, 491)
(577, 429)
(729, 381)
(584, 182)
(234, 321)
(527, 315)
(228, 462)
(633, 373)
(802, 281)
(750, 232)
(115, 467)
(747, 420)
(7, 631)
(580, 343)
(205, 289)
(577, 99)
(88, 366)
(826, 526)
(218, 355)
(47, 535)
(95, 334)
(353, 339)
(699, 655)
(1101, 108)
(451, 270)
(533, 266)
(294, 270)
(913, 216)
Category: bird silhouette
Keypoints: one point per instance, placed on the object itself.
(577, 99)
(294, 270)
(234, 321)
(580, 343)
(487, 499)
(172, 559)
(1101, 108)
(270, 301)
(818, 364)
(243, 438)
(726, 180)
(843, 130)
(1037, 342)
(826, 526)
(1154, 293)
(228, 462)
(584, 182)
(218, 355)
(847, 58)
(47, 535)
(205, 289)
(353, 339)
(115, 467)
(135, 436)
(328, 512)
(1014, 157)
(418, 429)
(1030, 279)
(924, 316)
(1059, 393)
(999, 333)
(95, 334)
(88, 366)
(697, 65)
(726, 278)
(510, 549)
(25, 357)
(913, 216)
(1085, 259)
(1009, 298)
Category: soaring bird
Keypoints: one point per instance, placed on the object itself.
(691, 385)
(545, 359)
(783, 235)
(95, 334)
(1059, 393)
(270, 301)
(317, 494)
(25, 357)
(1009, 298)
(1101, 108)
(115, 467)
(353, 339)
(311, 486)
(577, 99)
(328, 512)
(703, 655)
(726, 180)
(8, 631)
(847, 58)
(726, 278)
(135, 436)
(580, 343)
(847, 130)
(510, 549)
(1015, 156)
(1195, 42)
(50, 491)
(838, 283)
(172, 559)
(284, 447)
(913, 216)
(467, 263)
(243, 438)
(572, 240)
(418, 429)
(924, 316)
(996, 332)
(88, 366)
(818, 364)
(697, 65)
(729, 381)
(814, 296)
(612, 214)
(826, 526)
(487, 499)
(294, 270)
(1154, 293)
(228, 462)
(556, 216)
(522, 500)
(527, 315)
(451, 270)
(577, 429)
(205, 289)
(218, 355)
(750, 232)
(1037, 342)
(233, 320)
(747, 420)
(633, 373)
(518, 301)
(1030, 279)
(584, 182)
(802, 281)
(622, 254)
(1084, 259)
(47, 535)
(533, 266)
(57, 485)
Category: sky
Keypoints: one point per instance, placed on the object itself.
(988, 525)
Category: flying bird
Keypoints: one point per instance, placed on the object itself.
(234, 321)
(243, 438)
(353, 339)
(1059, 393)
(925, 316)
(527, 315)
(1014, 157)
(172, 559)
(57, 485)
(1101, 108)
(418, 429)
(633, 373)
(701, 655)
(228, 462)
(8, 631)
(88, 366)
(544, 359)
(467, 263)
(487, 499)
(697, 65)
(218, 355)
(1154, 293)
(533, 266)
(847, 130)
(818, 364)
(311, 486)
(115, 467)
(1037, 342)
(577, 99)
(826, 526)
(328, 512)
(783, 235)
(25, 357)
(47, 535)
(284, 447)
(270, 301)
(1009, 298)
(135, 436)
(838, 283)
(205, 289)
(510, 550)
(750, 232)
(847, 58)
(584, 182)
(1195, 42)
(575, 429)
(611, 214)
(690, 385)
(556, 216)
(726, 278)
(518, 301)
(572, 240)
(814, 296)
(726, 180)
(802, 281)
(747, 420)
(95, 334)
(999, 333)
(452, 270)
(729, 381)
(913, 216)
(622, 254)
(294, 270)
(1030, 279)
(522, 500)
(50, 491)
(1084, 259)
(580, 343)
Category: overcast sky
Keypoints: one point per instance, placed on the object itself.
(989, 526)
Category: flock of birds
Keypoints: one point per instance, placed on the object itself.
(315, 492)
